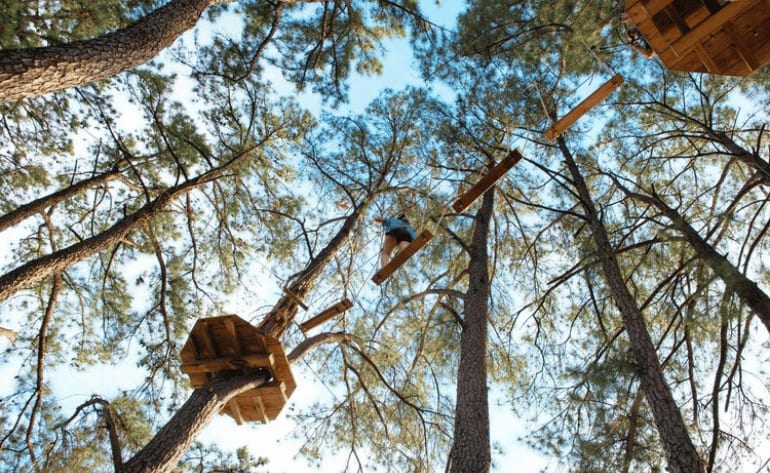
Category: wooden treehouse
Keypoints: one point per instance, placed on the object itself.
(712, 36)
(228, 345)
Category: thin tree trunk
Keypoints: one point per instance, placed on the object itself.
(36, 206)
(163, 452)
(38, 71)
(285, 310)
(746, 289)
(679, 449)
(470, 451)
(56, 262)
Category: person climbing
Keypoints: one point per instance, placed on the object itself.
(398, 234)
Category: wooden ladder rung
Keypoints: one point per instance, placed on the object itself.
(483, 185)
(587, 104)
(401, 257)
(235, 411)
(327, 314)
(295, 298)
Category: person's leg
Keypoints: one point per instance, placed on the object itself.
(387, 249)
(402, 245)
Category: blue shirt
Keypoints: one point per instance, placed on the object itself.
(391, 224)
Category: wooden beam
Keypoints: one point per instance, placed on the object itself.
(744, 51)
(230, 327)
(260, 408)
(203, 333)
(295, 298)
(274, 389)
(212, 365)
(235, 411)
(587, 104)
(327, 314)
(695, 36)
(401, 257)
(643, 9)
(706, 60)
(462, 202)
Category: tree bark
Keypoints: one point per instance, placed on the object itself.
(38, 71)
(56, 262)
(679, 449)
(27, 210)
(470, 451)
(746, 289)
(285, 310)
(163, 452)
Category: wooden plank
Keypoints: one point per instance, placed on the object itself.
(230, 327)
(235, 411)
(744, 51)
(696, 36)
(698, 15)
(261, 414)
(587, 104)
(327, 314)
(208, 349)
(280, 368)
(706, 60)
(213, 365)
(483, 185)
(295, 298)
(273, 389)
(640, 10)
(189, 350)
(401, 257)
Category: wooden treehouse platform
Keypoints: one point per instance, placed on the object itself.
(730, 38)
(229, 345)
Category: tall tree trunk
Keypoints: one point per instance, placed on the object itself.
(38, 205)
(56, 262)
(680, 451)
(746, 289)
(470, 451)
(163, 452)
(38, 71)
